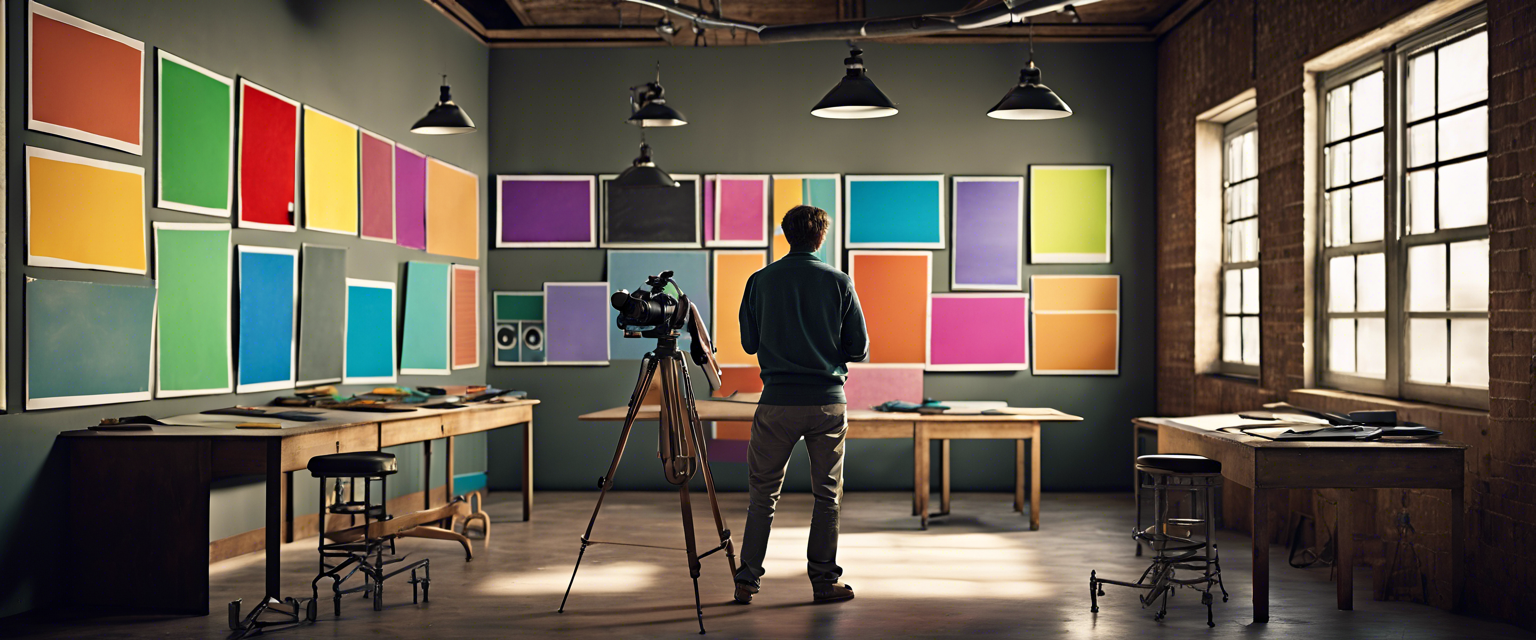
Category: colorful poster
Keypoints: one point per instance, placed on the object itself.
(546, 211)
(988, 234)
(376, 157)
(629, 269)
(980, 332)
(893, 289)
(466, 316)
(84, 213)
(652, 218)
(269, 318)
(193, 342)
(453, 211)
(370, 332)
(79, 355)
(823, 191)
(576, 319)
(424, 343)
(195, 138)
(410, 198)
(519, 328)
(1076, 325)
(84, 82)
(322, 314)
(267, 187)
(1069, 214)
(330, 173)
(736, 211)
(732, 268)
(896, 212)
(869, 386)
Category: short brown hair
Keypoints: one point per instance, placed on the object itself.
(806, 226)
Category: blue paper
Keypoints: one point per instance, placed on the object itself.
(268, 284)
(628, 270)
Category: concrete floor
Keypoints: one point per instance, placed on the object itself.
(980, 572)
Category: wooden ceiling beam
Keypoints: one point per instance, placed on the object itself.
(1176, 16)
(460, 16)
(521, 12)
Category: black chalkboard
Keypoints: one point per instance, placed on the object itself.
(650, 216)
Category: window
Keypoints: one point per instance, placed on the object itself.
(1404, 260)
(1240, 247)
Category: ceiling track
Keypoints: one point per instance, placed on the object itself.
(998, 15)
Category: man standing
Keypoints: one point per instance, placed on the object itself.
(802, 319)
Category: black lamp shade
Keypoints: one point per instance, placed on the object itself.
(656, 113)
(855, 96)
(644, 173)
(445, 118)
(1030, 100)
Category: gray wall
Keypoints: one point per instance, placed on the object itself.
(373, 62)
(563, 110)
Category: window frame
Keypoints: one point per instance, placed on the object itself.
(1238, 126)
(1395, 242)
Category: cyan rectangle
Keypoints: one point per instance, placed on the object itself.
(370, 338)
(896, 212)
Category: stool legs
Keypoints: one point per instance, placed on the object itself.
(1174, 542)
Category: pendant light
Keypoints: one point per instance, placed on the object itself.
(855, 96)
(644, 173)
(445, 118)
(1030, 100)
(648, 105)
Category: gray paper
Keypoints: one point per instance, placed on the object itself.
(322, 313)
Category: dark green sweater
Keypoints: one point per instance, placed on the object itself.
(802, 319)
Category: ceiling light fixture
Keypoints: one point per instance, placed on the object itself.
(855, 96)
(445, 118)
(644, 173)
(1030, 100)
(648, 105)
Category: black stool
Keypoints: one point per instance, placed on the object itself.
(354, 547)
(1172, 539)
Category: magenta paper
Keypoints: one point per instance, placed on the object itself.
(410, 198)
(743, 210)
(980, 332)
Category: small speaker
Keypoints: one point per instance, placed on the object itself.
(506, 336)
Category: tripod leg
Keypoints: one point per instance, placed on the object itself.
(647, 371)
(693, 554)
(709, 476)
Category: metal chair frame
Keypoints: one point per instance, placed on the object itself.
(368, 555)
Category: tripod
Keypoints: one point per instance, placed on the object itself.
(683, 453)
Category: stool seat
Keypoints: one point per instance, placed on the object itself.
(357, 464)
(1179, 463)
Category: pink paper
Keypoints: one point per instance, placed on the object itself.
(378, 188)
(743, 215)
(709, 209)
(980, 331)
(870, 386)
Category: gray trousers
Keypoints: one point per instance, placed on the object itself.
(775, 430)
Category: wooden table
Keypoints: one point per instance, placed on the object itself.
(1267, 466)
(922, 429)
(139, 500)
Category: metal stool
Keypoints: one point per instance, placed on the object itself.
(360, 551)
(1172, 539)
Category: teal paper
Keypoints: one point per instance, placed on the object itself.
(87, 343)
(895, 213)
(370, 335)
(424, 341)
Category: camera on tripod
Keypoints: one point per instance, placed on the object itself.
(654, 313)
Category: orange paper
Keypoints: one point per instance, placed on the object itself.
(893, 288)
(732, 380)
(453, 211)
(732, 268)
(1075, 293)
(1077, 342)
(84, 213)
(87, 82)
(466, 316)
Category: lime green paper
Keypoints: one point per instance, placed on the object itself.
(192, 272)
(195, 135)
(1069, 214)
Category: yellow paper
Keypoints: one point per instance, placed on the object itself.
(330, 174)
(788, 193)
(453, 211)
(84, 213)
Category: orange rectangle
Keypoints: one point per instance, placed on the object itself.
(84, 213)
(86, 82)
(733, 431)
(453, 211)
(893, 288)
(743, 379)
(1086, 342)
(1075, 293)
(466, 316)
(732, 268)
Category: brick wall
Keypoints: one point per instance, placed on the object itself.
(1229, 46)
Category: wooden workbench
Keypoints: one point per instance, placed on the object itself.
(1267, 466)
(922, 429)
(139, 500)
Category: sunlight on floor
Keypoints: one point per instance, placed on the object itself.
(595, 577)
(962, 565)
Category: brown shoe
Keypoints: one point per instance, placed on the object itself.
(832, 592)
(744, 593)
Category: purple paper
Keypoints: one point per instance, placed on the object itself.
(410, 199)
(546, 211)
(987, 233)
(576, 322)
(709, 209)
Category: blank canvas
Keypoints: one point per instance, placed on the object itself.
(1076, 325)
(731, 270)
(466, 316)
(453, 211)
(370, 332)
(424, 336)
(548, 211)
(896, 212)
(376, 176)
(629, 269)
(193, 342)
(77, 354)
(330, 173)
(893, 289)
(84, 213)
(1069, 214)
(988, 252)
(195, 138)
(576, 319)
(980, 332)
(518, 329)
(650, 217)
(268, 319)
(84, 82)
(267, 185)
(322, 314)
(823, 191)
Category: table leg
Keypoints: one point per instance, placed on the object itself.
(448, 450)
(426, 492)
(287, 506)
(1034, 479)
(528, 470)
(1261, 555)
(1458, 550)
(920, 473)
(1018, 476)
(1344, 567)
(274, 523)
(944, 477)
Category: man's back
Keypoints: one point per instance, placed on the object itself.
(802, 319)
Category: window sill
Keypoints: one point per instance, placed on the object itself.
(1436, 415)
(1238, 378)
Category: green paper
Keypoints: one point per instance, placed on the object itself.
(424, 339)
(519, 308)
(195, 138)
(1069, 214)
(192, 264)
